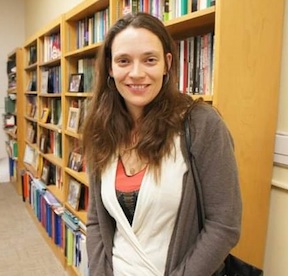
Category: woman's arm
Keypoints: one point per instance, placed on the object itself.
(213, 150)
(99, 234)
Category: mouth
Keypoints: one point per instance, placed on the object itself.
(137, 86)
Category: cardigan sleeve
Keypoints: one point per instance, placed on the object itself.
(213, 151)
(99, 228)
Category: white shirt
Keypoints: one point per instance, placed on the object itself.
(141, 248)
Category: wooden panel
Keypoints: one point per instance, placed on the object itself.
(246, 83)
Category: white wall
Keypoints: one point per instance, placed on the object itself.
(40, 13)
(19, 19)
(12, 36)
(276, 256)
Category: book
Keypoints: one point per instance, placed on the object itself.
(44, 81)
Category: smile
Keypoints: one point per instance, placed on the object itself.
(137, 86)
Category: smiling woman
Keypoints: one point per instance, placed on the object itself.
(138, 71)
(142, 216)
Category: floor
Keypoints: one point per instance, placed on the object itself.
(23, 251)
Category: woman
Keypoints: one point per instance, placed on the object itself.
(142, 217)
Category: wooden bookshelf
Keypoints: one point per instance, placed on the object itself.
(243, 62)
(15, 94)
(35, 62)
(245, 90)
(77, 50)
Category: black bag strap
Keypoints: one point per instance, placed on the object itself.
(195, 175)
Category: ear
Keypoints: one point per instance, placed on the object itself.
(169, 62)
(110, 73)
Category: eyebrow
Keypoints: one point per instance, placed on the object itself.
(149, 53)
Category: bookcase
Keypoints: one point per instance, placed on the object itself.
(13, 117)
(244, 88)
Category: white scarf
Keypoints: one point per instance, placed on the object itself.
(141, 249)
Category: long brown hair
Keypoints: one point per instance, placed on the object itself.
(108, 123)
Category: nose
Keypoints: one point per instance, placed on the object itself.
(137, 70)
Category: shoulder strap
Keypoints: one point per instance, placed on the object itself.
(195, 174)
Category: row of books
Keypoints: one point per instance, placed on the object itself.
(52, 47)
(51, 80)
(165, 9)
(32, 84)
(86, 66)
(92, 29)
(196, 57)
(65, 230)
(51, 142)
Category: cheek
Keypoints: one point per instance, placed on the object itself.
(118, 73)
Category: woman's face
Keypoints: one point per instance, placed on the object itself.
(138, 66)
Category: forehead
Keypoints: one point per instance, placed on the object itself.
(135, 39)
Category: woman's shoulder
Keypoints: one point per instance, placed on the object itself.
(207, 126)
(204, 113)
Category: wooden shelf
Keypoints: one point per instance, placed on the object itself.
(80, 176)
(89, 50)
(57, 192)
(192, 24)
(57, 161)
(85, 9)
(52, 127)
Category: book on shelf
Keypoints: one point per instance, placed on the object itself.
(44, 81)
(84, 196)
(81, 257)
(196, 64)
(32, 54)
(32, 83)
(54, 80)
(45, 114)
(86, 66)
(55, 114)
(70, 220)
(51, 47)
(92, 29)
(10, 104)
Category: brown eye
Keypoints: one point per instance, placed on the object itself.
(151, 60)
(122, 61)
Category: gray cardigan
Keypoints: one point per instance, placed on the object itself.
(189, 253)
